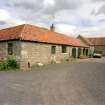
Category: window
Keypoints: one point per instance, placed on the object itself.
(10, 48)
(53, 49)
(64, 49)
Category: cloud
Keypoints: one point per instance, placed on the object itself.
(59, 5)
(66, 29)
(70, 16)
(2, 23)
(4, 15)
(7, 19)
(95, 31)
(98, 0)
(26, 4)
(101, 10)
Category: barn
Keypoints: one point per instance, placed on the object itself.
(31, 45)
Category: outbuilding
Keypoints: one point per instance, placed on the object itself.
(31, 45)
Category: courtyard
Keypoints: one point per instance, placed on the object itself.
(79, 83)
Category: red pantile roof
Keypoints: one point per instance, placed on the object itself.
(97, 41)
(10, 33)
(32, 33)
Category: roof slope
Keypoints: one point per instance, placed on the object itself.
(11, 33)
(97, 41)
(86, 40)
(33, 33)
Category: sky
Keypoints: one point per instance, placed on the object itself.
(71, 17)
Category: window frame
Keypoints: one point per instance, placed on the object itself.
(64, 49)
(53, 49)
(10, 48)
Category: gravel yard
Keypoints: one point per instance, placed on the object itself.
(81, 83)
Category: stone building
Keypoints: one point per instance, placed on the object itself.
(88, 43)
(31, 45)
(95, 44)
(98, 43)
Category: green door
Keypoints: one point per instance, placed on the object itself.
(86, 52)
(79, 52)
(74, 52)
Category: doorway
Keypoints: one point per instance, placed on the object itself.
(74, 52)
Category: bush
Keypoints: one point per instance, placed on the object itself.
(12, 63)
(3, 66)
(9, 64)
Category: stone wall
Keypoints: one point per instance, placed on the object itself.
(91, 50)
(33, 53)
(4, 49)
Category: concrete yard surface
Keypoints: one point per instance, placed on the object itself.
(81, 83)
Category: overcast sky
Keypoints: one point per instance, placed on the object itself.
(71, 17)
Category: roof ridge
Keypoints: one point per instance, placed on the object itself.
(44, 28)
(21, 32)
(11, 27)
(65, 35)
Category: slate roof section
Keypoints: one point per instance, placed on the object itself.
(33, 33)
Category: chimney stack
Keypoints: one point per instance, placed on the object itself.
(52, 28)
